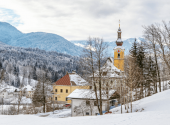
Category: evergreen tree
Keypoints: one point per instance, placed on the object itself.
(133, 51)
(0, 65)
(141, 57)
(137, 52)
(15, 71)
(141, 64)
(17, 81)
(34, 74)
(150, 75)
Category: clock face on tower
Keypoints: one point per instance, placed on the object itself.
(118, 51)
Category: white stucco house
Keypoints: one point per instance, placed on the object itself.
(28, 91)
(83, 102)
(6, 95)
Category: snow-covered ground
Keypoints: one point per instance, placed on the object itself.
(156, 112)
(57, 114)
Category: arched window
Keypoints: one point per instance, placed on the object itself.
(118, 56)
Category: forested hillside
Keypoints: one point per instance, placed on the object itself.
(16, 61)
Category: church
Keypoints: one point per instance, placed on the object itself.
(112, 75)
(113, 69)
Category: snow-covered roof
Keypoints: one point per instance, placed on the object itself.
(74, 77)
(88, 94)
(109, 65)
(109, 70)
(119, 47)
(28, 88)
(71, 79)
(8, 88)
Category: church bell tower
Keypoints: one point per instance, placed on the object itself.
(119, 51)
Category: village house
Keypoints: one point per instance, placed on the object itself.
(6, 95)
(83, 102)
(66, 85)
(28, 91)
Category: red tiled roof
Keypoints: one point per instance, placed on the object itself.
(65, 80)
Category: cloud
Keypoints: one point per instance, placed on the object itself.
(79, 19)
(7, 15)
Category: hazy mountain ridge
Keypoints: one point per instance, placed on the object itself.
(8, 32)
(46, 41)
(9, 35)
(127, 44)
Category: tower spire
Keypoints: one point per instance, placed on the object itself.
(119, 41)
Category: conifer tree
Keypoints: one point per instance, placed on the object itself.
(140, 60)
(34, 74)
(133, 51)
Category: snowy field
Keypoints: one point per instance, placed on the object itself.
(57, 114)
(156, 112)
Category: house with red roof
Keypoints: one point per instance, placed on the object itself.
(66, 85)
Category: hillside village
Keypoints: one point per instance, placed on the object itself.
(97, 92)
(55, 70)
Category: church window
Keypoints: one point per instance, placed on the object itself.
(118, 56)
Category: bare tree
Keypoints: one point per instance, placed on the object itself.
(91, 60)
(42, 92)
(21, 92)
(1, 85)
(151, 44)
(161, 34)
(133, 75)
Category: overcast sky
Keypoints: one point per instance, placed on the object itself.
(78, 19)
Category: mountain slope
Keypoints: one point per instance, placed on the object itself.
(126, 44)
(46, 41)
(50, 42)
(8, 32)
(2, 44)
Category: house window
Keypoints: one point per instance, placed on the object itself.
(87, 113)
(55, 98)
(66, 90)
(118, 56)
(87, 102)
(104, 73)
(66, 99)
(61, 90)
(55, 90)
(95, 103)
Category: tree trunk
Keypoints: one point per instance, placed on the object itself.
(101, 113)
(131, 97)
(121, 96)
(157, 68)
